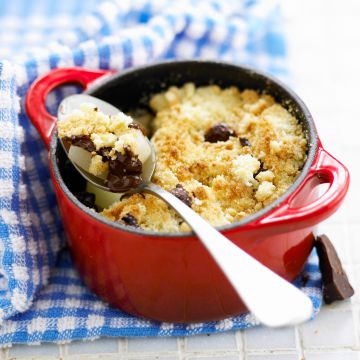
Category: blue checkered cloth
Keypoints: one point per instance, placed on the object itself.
(41, 295)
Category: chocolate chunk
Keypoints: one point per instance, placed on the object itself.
(336, 285)
(244, 141)
(86, 198)
(122, 183)
(261, 168)
(124, 172)
(137, 126)
(82, 141)
(130, 220)
(103, 152)
(219, 132)
(182, 194)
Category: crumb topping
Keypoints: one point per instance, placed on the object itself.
(116, 145)
(228, 152)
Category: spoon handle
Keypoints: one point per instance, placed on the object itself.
(274, 301)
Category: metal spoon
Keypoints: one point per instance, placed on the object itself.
(274, 301)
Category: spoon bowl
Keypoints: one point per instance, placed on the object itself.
(72, 103)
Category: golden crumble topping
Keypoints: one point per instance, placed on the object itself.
(231, 152)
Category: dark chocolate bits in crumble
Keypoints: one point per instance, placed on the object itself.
(104, 153)
(87, 144)
(182, 194)
(218, 132)
(244, 141)
(82, 141)
(124, 172)
(130, 220)
(261, 168)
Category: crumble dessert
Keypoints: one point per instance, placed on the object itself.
(111, 147)
(226, 153)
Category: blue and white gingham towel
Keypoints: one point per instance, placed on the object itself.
(41, 295)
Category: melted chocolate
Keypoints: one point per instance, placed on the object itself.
(219, 132)
(102, 152)
(182, 195)
(82, 141)
(124, 172)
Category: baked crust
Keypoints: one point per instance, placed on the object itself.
(226, 180)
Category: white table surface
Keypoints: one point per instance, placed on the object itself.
(324, 49)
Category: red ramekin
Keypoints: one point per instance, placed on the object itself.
(171, 277)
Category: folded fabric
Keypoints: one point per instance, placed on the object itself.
(66, 310)
(41, 295)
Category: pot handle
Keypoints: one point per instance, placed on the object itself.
(328, 170)
(41, 87)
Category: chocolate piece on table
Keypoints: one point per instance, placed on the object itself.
(218, 132)
(336, 285)
(182, 195)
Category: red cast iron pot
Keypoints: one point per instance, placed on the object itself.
(171, 277)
